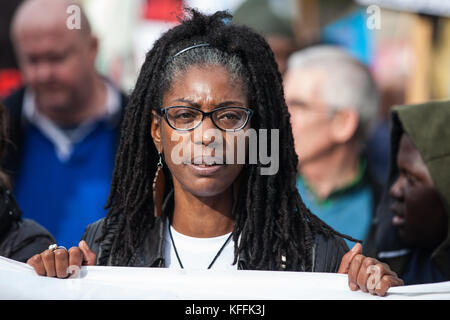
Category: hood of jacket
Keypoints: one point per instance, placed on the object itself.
(428, 127)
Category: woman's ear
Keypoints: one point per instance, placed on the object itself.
(156, 130)
(344, 125)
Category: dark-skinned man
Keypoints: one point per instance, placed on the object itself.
(410, 230)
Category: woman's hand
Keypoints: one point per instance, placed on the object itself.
(61, 262)
(367, 274)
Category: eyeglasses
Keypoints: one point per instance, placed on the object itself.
(184, 118)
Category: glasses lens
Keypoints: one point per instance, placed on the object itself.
(183, 118)
(230, 118)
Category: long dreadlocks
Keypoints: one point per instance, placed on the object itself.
(272, 222)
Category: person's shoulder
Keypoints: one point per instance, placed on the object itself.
(96, 223)
(27, 238)
(23, 229)
(21, 238)
(93, 231)
(328, 252)
(29, 230)
(31, 227)
(100, 235)
(14, 100)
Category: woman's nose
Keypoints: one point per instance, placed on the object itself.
(207, 132)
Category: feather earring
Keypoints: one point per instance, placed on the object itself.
(159, 184)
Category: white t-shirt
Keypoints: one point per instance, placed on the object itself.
(198, 253)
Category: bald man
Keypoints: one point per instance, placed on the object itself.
(64, 122)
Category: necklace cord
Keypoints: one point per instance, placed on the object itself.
(220, 251)
(174, 247)
(212, 262)
(223, 246)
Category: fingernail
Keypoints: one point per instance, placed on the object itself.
(355, 247)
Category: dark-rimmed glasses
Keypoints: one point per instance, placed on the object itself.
(185, 118)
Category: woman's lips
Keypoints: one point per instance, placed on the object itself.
(205, 170)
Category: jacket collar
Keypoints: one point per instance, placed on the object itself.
(64, 143)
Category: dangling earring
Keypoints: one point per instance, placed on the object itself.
(159, 184)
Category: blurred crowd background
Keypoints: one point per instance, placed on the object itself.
(407, 49)
(404, 44)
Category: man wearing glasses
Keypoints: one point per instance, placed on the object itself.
(333, 101)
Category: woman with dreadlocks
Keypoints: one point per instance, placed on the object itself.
(171, 207)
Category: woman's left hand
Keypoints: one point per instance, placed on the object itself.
(367, 274)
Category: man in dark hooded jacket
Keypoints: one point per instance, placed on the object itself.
(410, 230)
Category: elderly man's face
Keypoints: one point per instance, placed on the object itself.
(55, 62)
(310, 116)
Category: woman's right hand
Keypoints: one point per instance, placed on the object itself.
(56, 263)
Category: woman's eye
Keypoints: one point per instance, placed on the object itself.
(229, 116)
(185, 115)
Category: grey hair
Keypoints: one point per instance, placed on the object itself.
(348, 83)
(204, 56)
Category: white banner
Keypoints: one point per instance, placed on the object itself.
(19, 281)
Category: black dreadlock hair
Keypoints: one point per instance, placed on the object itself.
(272, 220)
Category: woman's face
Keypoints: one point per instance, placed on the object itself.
(189, 154)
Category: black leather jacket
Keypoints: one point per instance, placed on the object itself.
(327, 251)
(20, 239)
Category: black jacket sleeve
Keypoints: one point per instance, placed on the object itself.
(328, 252)
(92, 233)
